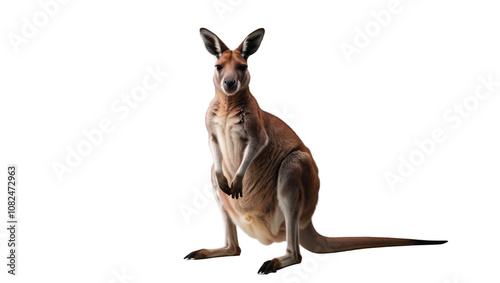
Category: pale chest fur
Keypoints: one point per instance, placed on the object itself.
(232, 139)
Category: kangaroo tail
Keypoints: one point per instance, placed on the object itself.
(314, 242)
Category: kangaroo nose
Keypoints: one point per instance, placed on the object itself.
(229, 82)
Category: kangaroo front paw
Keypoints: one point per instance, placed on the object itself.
(222, 181)
(237, 187)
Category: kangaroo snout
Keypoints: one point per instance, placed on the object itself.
(229, 83)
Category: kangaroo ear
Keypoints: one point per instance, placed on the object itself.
(250, 45)
(213, 44)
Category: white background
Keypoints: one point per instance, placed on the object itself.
(120, 209)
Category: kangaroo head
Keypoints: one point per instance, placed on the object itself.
(231, 70)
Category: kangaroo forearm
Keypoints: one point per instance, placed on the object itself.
(252, 150)
(216, 154)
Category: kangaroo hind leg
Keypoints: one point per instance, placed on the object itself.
(290, 193)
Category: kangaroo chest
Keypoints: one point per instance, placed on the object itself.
(232, 138)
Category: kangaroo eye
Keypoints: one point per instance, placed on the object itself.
(242, 67)
(219, 67)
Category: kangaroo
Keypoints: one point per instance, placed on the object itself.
(274, 179)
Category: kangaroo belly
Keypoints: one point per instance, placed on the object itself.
(266, 228)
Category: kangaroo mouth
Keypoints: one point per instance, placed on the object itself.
(230, 90)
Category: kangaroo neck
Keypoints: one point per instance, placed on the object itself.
(228, 103)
